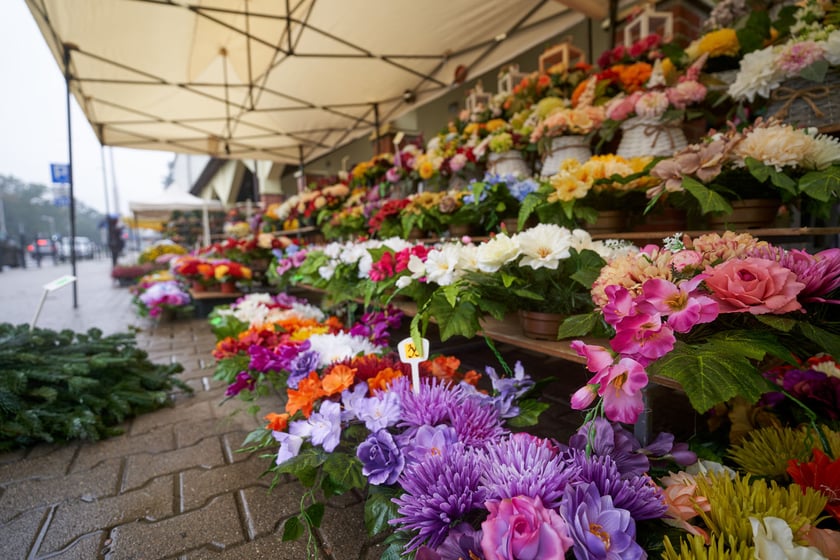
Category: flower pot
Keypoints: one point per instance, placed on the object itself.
(198, 287)
(416, 233)
(609, 221)
(664, 219)
(460, 230)
(649, 136)
(510, 225)
(228, 287)
(747, 214)
(508, 163)
(540, 326)
(563, 148)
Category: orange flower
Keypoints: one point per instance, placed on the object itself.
(442, 367)
(277, 422)
(334, 324)
(472, 377)
(303, 398)
(205, 270)
(383, 379)
(633, 76)
(339, 378)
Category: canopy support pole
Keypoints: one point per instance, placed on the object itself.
(67, 48)
(136, 233)
(301, 178)
(376, 129)
(255, 184)
(104, 172)
(613, 22)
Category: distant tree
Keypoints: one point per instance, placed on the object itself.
(29, 210)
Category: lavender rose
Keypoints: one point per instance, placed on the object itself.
(382, 461)
(521, 528)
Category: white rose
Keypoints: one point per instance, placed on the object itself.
(492, 254)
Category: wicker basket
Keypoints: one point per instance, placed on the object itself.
(649, 136)
(562, 148)
(805, 103)
(508, 163)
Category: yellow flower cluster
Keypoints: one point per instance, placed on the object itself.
(575, 179)
(150, 254)
(721, 42)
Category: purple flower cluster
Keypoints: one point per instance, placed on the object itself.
(377, 325)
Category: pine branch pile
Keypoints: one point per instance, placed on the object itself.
(62, 386)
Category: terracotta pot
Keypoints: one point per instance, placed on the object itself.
(198, 287)
(416, 233)
(540, 326)
(746, 214)
(666, 219)
(460, 230)
(228, 287)
(609, 221)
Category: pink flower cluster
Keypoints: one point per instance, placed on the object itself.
(654, 103)
(644, 327)
(646, 48)
(795, 57)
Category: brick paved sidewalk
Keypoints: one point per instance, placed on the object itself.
(173, 486)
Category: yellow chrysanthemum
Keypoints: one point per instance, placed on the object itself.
(426, 170)
(722, 42)
(567, 187)
(471, 129)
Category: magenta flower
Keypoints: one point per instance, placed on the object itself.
(622, 391)
(598, 358)
(684, 305)
(243, 382)
(584, 397)
(619, 305)
(521, 528)
(643, 337)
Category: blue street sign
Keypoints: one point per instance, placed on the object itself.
(60, 172)
(61, 201)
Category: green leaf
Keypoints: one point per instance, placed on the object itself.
(393, 552)
(529, 413)
(460, 320)
(710, 376)
(828, 341)
(764, 172)
(529, 205)
(821, 185)
(754, 32)
(292, 529)
(379, 509)
(709, 200)
(314, 514)
(815, 72)
(304, 467)
(345, 471)
(577, 325)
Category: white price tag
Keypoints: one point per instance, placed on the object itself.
(411, 354)
(59, 283)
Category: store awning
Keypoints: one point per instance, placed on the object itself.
(278, 80)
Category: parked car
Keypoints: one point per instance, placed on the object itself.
(10, 253)
(42, 247)
(84, 249)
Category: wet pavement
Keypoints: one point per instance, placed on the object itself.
(173, 486)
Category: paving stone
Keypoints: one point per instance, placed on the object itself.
(37, 465)
(19, 534)
(264, 510)
(270, 547)
(343, 532)
(155, 441)
(216, 525)
(166, 416)
(189, 433)
(79, 517)
(232, 443)
(85, 547)
(142, 467)
(200, 485)
(97, 482)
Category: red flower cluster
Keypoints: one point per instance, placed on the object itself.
(390, 209)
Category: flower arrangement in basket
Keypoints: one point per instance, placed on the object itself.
(768, 159)
(162, 297)
(799, 76)
(650, 117)
(575, 195)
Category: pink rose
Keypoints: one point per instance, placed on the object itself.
(521, 528)
(620, 108)
(686, 259)
(457, 162)
(754, 285)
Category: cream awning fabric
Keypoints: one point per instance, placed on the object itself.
(280, 80)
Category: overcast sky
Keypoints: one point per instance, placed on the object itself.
(33, 127)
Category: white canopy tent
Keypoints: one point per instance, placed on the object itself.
(285, 81)
(162, 205)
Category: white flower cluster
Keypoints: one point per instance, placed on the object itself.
(259, 309)
(356, 253)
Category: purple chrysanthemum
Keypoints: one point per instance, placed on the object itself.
(476, 423)
(608, 439)
(439, 492)
(637, 494)
(820, 272)
(599, 528)
(524, 465)
(430, 406)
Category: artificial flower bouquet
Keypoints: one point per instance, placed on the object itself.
(194, 270)
(162, 297)
(767, 159)
(809, 51)
(158, 249)
(386, 219)
(227, 271)
(129, 274)
(421, 214)
(370, 173)
(486, 203)
(709, 313)
(574, 196)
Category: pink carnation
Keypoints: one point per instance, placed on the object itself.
(754, 285)
(686, 93)
(620, 108)
(797, 56)
(652, 104)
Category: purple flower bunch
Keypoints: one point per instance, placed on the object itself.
(162, 295)
(377, 325)
(535, 498)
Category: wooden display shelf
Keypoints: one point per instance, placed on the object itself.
(204, 302)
